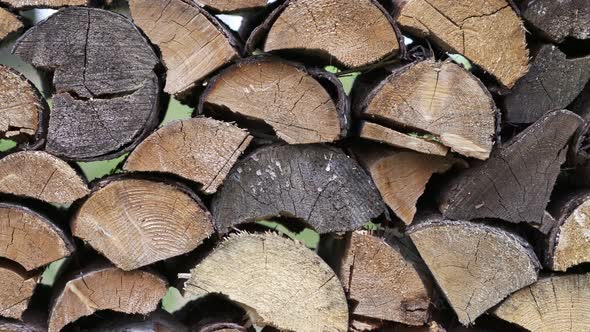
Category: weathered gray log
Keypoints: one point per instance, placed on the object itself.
(559, 20)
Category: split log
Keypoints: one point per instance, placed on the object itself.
(136, 222)
(489, 33)
(10, 325)
(440, 99)
(401, 176)
(39, 175)
(391, 137)
(193, 43)
(232, 5)
(288, 286)
(158, 321)
(16, 291)
(569, 243)
(29, 238)
(559, 20)
(516, 183)
(213, 312)
(105, 288)
(381, 283)
(552, 82)
(26, 4)
(475, 265)
(9, 23)
(579, 154)
(97, 113)
(558, 303)
(351, 33)
(23, 111)
(200, 149)
(317, 184)
(284, 95)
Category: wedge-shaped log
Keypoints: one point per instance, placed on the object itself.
(200, 149)
(318, 184)
(136, 222)
(552, 82)
(475, 265)
(284, 95)
(381, 282)
(232, 5)
(23, 111)
(281, 283)
(393, 138)
(352, 33)
(105, 288)
(9, 23)
(106, 91)
(489, 33)
(193, 43)
(558, 303)
(29, 238)
(438, 98)
(516, 183)
(39, 175)
(25, 4)
(16, 291)
(559, 20)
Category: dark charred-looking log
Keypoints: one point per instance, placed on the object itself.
(487, 32)
(558, 20)
(193, 43)
(475, 265)
(284, 95)
(107, 92)
(352, 33)
(109, 321)
(9, 23)
(318, 184)
(25, 4)
(213, 312)
(553, 82)
(23, 112)
(516, 182)
(12, 325)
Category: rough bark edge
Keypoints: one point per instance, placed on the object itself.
(329, 81)
(260, 33)
(89, 3)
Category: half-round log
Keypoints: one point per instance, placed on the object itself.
(16, 290)
(475, 265)
(317, 184)
(107, 93)
(281, 283)
(136, 222)
(284, 95)
(39, 175)
(202, 150)
(558, 20)
(9, 23)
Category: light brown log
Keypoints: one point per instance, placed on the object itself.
(21, 106)
(381, 283)
(439, 98)
(487, 32)
(475, 265)
(39, 175)
(352, 32)
(279, 282)
(397, 139)
(24, 4)
(137, 222)
(284, 95)
(231, 5)
(30, 239)
(558, 303)
(9, 23)
(16, 289)
(192, 42)
(106, 288)
(202, 150)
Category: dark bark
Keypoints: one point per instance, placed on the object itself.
(552, 82)
(579, 156)
(516, 182)
(158, 321)
(558, 20)
(212, 313)
(315, 183)
(106, 91)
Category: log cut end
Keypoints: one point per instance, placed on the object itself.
(393, 138)
(9, 23)
(558, 303)
(282, 94)
(275, 271)
(138, 222)
(232, 5)
(200, 149)
(39, 175)
(571, 240)
(559, 19)
(192, 42)
(16, 291)
(489, 33)
(476, 266)
(352, 32)
(30, 239)
(25, 4)
(135, 292)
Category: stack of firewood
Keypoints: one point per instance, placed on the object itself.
(448, 187)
